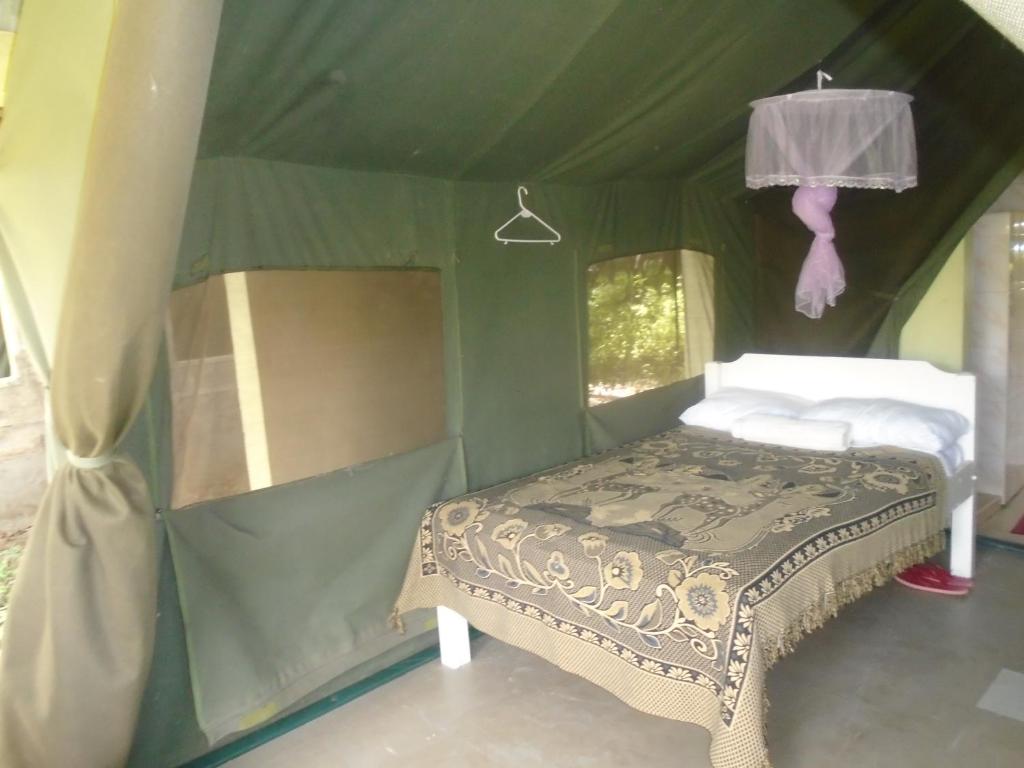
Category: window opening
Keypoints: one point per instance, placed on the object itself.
(650, 322)
(281, 375)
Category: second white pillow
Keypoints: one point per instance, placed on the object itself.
(892, 422)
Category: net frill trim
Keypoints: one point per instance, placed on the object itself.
(835, 94)
(853, 182)
(846, 592)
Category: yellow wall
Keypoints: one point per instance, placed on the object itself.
(935, 332)
(6, 42)
(52, 84)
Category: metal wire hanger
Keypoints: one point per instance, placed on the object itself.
(526, 213)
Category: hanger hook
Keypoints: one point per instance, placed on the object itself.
(519, 195)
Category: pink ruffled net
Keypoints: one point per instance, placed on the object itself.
(822, 278)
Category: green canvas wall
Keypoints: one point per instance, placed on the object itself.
(514, 319)
(490, 90)
(384, 135)
(638, 89)
(970, 144)
(514, 314)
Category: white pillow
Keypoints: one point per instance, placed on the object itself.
(892, 422)
(952, 456)
(722, 409)
(794, 433)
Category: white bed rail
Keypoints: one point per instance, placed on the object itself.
(453, 634)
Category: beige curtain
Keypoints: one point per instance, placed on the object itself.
(78, 640)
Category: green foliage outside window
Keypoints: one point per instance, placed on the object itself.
(636, 325)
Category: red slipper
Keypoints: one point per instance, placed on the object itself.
(938, 572)
(929, 577)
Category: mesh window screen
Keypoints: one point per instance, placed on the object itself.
(650, 322)
(282, 375)
(209, 448)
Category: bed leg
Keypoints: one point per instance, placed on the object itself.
(453, 632)
(961, 544)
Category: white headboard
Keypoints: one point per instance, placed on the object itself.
(821, 378)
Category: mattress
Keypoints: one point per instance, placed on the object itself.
(675, 571)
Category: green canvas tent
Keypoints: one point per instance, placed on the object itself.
(212, 150)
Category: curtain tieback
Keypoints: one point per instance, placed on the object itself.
(89, 462)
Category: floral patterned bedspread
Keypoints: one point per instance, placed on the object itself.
(674, 571)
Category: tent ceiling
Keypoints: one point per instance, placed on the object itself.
(497, 90)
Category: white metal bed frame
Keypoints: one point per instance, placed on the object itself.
(821, 378)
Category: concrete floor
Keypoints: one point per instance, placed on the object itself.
(894, 681)
(1001, 522)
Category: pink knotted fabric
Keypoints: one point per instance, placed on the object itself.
(822, 278)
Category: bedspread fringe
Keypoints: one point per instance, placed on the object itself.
(846, 592)
(396, 621)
